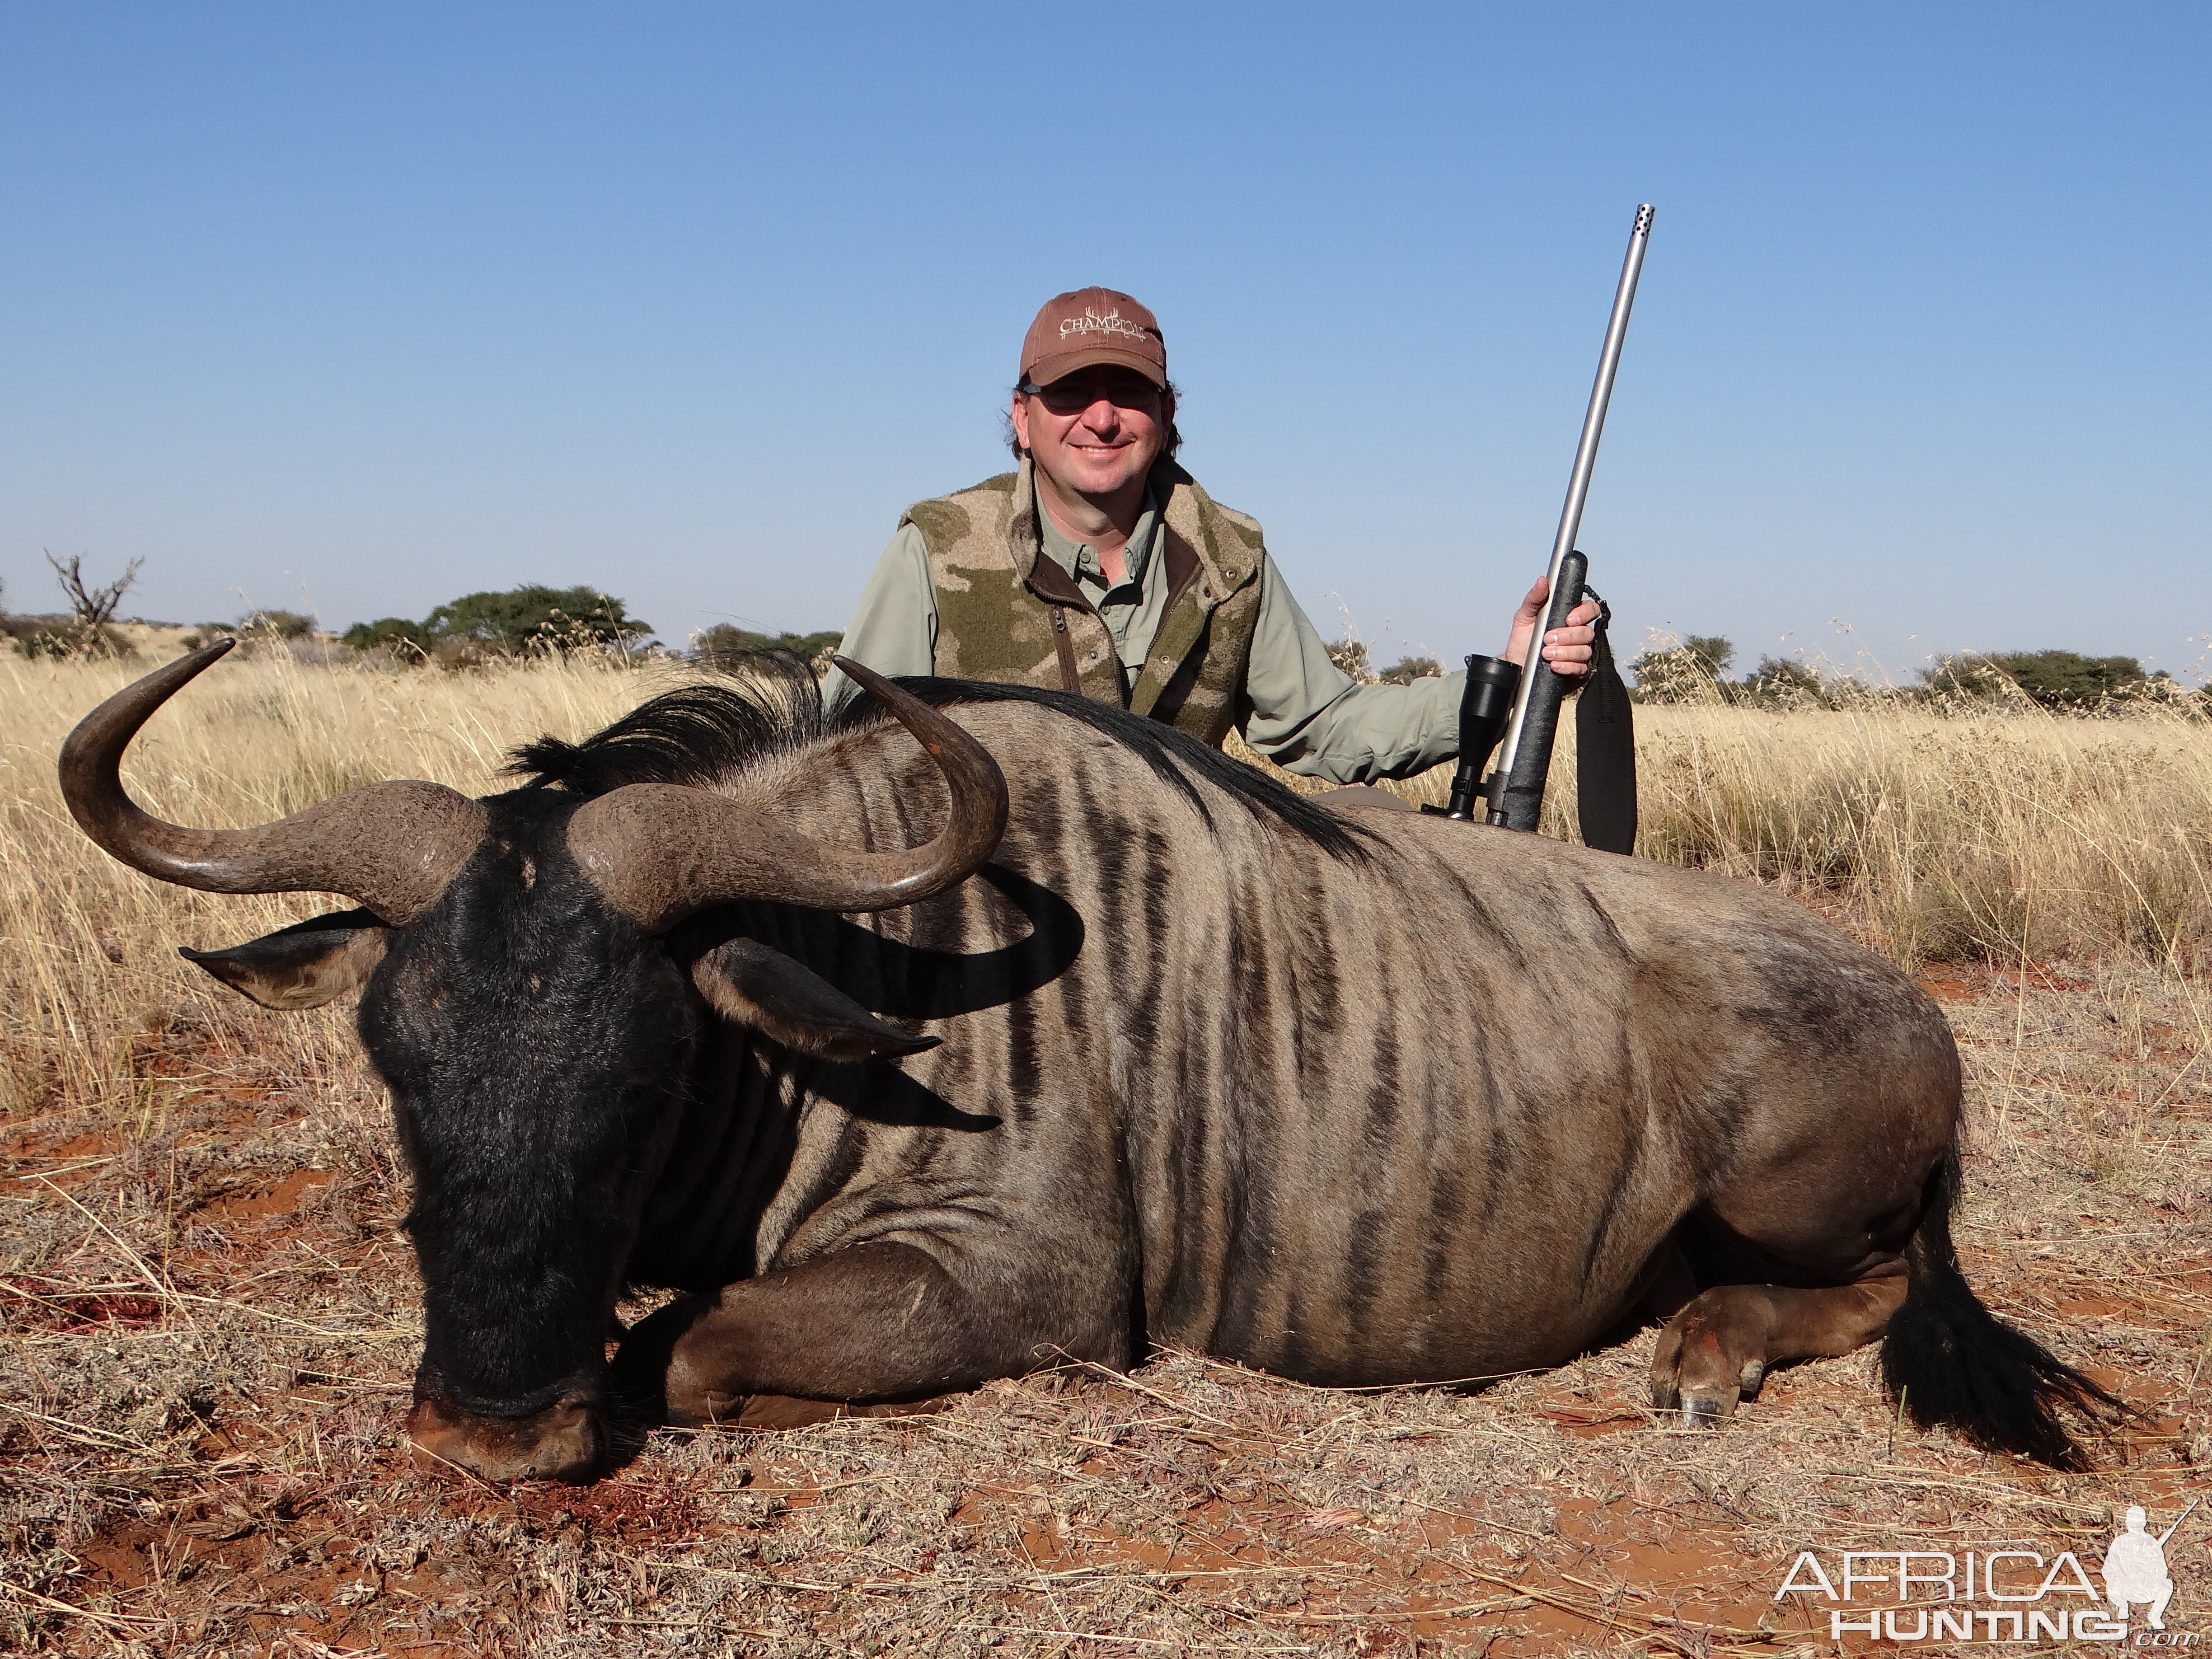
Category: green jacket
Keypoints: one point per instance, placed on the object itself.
(985, 557)
(1006, 612)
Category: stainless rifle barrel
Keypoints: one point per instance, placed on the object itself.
(1571, 516)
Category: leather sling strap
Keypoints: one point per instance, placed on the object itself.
(1605, 749)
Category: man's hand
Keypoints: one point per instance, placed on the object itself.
(1567, 649)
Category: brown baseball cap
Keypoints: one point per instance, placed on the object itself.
(1093, 326)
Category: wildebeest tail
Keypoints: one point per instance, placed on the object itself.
(1948, 1359)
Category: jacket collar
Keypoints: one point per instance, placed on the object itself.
(1195, 541)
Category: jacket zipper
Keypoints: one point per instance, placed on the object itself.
(1064, 648)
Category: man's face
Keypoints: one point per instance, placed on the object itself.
(1097, 431)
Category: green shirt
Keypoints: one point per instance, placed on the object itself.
(1131, 609)
(1308, 715)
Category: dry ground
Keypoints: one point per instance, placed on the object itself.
(211, 1321)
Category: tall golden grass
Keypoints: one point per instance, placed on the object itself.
(1994, 836)
(1973, 833)
(91, 989)
(1988, 835)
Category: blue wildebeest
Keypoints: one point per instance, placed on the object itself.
(911, 1072)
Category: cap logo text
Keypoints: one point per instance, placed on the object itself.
(1091, 323)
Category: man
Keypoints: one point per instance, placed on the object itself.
(1100, 566)
(2134, 1569)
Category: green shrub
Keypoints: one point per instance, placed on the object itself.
(278, 625)
(408, 641)
(1407, 670)
(536, 618)
(479, 628)
(1695, 671)
(1782, 680)
(2055, 679)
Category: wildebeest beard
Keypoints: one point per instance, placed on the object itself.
(534, 1040)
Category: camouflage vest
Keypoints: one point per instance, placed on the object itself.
(1008, 613)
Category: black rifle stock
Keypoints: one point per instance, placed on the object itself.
(1516, 796)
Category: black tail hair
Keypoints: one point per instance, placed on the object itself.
(1948, 1359)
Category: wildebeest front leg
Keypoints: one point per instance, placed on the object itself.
(1717, 1349)
(880, 1321)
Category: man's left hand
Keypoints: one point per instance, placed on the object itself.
(1567, 649)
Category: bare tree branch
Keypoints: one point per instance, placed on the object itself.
(94, 608)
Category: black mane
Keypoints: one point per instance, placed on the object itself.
(700, 734)
(696, 735)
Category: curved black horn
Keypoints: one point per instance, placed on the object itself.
(391, 846)
(661, 852)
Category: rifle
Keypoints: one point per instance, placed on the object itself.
(2178, 1520)
(1525, 706)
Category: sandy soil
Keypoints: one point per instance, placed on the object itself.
(212, 1325)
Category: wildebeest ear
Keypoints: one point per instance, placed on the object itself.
(754, 985)
(302, 966)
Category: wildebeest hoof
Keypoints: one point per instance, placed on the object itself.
(1703, 1408)
(653, 1381)
(638, 1378)
(1691, 1408)
(1712, 1354)
(565, 1441)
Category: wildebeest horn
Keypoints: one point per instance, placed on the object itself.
(391, 846)
(661, 852)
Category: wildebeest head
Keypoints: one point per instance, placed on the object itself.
(522, 1000)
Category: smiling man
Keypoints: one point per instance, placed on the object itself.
(1100, 566)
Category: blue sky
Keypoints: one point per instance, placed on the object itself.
(389, 303)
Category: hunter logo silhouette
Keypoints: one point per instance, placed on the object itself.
(2135, 1567)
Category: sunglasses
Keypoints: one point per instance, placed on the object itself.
(1073, 396)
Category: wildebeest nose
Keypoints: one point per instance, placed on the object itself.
(565, 1441)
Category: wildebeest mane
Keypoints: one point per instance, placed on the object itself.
(700, 734)
(767, 702)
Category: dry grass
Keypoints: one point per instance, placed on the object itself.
(1982, 835)
(1993, 837)
(89, 981)
(212, 1318)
